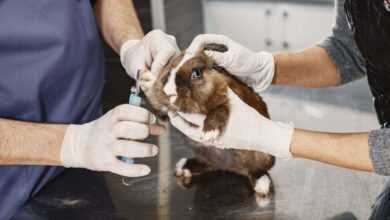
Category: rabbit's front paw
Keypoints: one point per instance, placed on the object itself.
(215, 123)
(181, 169)
(210, 136)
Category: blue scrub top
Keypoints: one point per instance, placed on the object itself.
(52, 71)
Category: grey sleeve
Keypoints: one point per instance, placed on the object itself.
(379, 143)
(342, 49)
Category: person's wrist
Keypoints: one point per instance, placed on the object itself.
(298, 147)
(276, 62)
(294, 145)
(70, 146)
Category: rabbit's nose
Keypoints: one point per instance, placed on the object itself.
(172, 98)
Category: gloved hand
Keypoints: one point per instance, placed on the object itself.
(153, 52)
(255, 69)
(97, 144)
(246, 130)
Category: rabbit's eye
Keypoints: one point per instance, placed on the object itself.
(196, 74)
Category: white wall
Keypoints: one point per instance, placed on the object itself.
(266, 25)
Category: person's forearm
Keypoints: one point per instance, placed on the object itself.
(343, 150)
(308, 68)
(25, 143)
(118, 22)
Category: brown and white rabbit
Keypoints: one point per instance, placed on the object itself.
(200, 86)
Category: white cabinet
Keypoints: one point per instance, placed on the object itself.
(267, 25)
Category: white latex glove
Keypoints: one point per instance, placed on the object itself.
(97, 144)
(256, 69)
(246, 129)
(153, 52)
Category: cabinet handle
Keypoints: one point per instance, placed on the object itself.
(286, 45)
(268, 42)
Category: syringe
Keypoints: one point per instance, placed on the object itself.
(136, 100)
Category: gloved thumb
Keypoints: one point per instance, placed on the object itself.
(162, 58)
(185, 126)
(195, 119)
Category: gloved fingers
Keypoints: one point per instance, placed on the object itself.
(199, 41)
(136, 131)
(147, 58)
(172, 40)
(171, 37)
(174, 44)
(131, 130)
(129, 170)
(133, 113)
(237, 105)
(133, 57)
(218, 57)
(156, 129)
(183, 126)
(195, 119)
(235, 100)
(162, 58)
(133, 149)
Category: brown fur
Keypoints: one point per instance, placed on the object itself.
(208, 96)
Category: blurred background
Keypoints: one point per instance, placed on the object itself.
(303, 189)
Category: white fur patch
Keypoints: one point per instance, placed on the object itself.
(187, 173)
(263, 185)
(262, 202)
(172, 99)
(170, 86)
(179, 166)
(187, 56)
(262, 188)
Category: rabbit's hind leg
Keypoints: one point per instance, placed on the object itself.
(187, 168)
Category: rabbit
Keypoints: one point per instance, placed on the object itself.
(201, 87)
